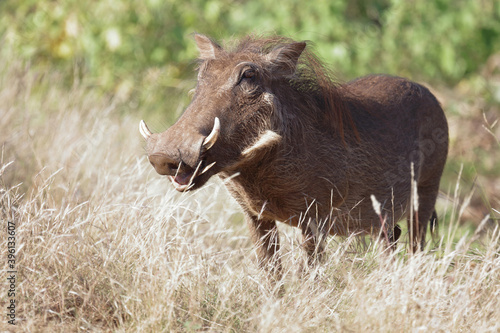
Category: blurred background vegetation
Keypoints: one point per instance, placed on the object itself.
(140, 54)
(137, 47)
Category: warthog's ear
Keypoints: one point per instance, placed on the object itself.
(207, 47)
(284, 59)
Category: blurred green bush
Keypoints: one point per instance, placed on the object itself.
(145, 49)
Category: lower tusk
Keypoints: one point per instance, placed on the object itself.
(212, 137)
(195, 174)
(207, 168)
(144, 130)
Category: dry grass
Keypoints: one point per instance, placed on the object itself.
(104, 244)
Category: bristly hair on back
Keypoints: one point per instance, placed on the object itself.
(311, 77)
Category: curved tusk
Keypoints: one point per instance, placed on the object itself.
(207, 168)
(143, 128)
(212, 137)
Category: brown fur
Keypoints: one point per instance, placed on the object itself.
(308, 151)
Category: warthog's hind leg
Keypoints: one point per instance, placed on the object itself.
(427, 195)
(393, 239)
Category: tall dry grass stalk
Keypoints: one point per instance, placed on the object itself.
(104, 244)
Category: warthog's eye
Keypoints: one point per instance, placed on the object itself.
(247, 75)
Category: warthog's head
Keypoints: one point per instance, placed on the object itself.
(230, 117)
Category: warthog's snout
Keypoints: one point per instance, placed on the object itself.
(186, 171)
(163, 164)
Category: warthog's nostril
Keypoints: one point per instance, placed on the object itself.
(163, 164)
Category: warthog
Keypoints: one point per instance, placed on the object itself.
(296, 147)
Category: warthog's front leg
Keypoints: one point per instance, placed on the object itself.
(313, 241)
(265, 237)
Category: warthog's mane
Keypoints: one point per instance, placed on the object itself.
(312, 79)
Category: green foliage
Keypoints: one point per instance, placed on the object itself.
(123, 43)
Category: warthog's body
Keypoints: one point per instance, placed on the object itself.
(299, 149)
